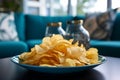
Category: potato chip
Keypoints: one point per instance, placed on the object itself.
(92, 55)
(56, 51)
(69, 62)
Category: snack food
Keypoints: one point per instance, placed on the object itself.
(56, 51)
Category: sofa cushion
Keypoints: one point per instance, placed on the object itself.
(107, 48)
(12, 48)
(36, 25)
(8, 30)
(20, 25)
(100, 25)
(32, 43)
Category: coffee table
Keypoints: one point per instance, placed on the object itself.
(110, 70)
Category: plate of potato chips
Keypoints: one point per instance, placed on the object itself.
(60, 69)
(58, 55)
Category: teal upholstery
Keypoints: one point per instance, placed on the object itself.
(107, 48)
(32, 43)
(12, 48)
(36, 25)
(20, 23)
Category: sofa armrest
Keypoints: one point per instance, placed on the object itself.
(12, 48)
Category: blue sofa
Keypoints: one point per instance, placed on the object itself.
(31, 29)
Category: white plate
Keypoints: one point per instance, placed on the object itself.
(15, 59)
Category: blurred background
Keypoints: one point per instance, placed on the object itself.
(59, 7)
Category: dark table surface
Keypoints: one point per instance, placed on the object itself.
(110, 70)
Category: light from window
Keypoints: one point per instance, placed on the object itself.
(115, 4)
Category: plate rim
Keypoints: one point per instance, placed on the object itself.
(103, 59)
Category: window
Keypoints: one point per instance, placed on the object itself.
(115, 4)
(68, 7)
(33, 10)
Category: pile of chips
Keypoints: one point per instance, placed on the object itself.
(56, 51)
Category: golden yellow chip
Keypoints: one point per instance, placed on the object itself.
(56, 51)
(92, 55)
